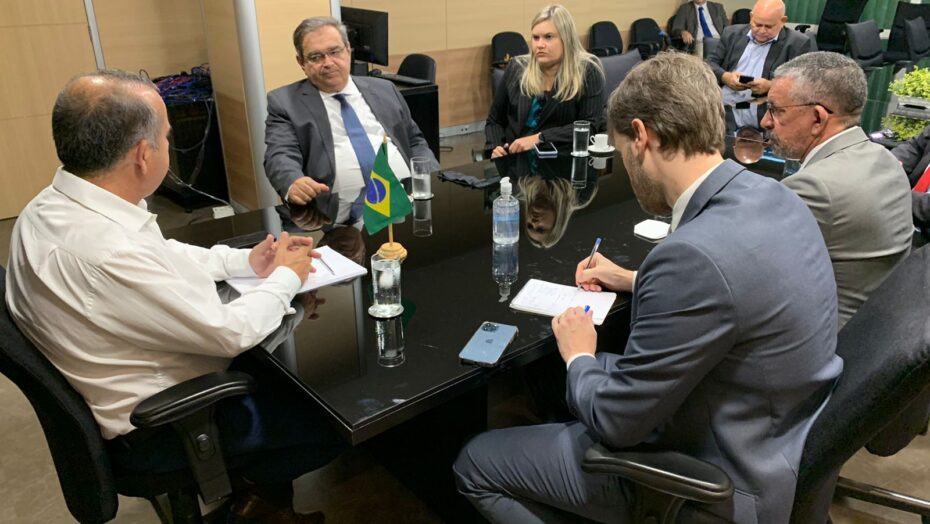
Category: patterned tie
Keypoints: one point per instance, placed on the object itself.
(704, 27)
(362, 147)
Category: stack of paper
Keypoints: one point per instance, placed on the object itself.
(546, 298)
(332, 268)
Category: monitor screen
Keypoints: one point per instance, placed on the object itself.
(368, 34)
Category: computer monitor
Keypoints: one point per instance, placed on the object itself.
(368, 34)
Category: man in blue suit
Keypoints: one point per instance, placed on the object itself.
(731, 352)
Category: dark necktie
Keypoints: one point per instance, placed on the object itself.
(704, 27)
(363, 151)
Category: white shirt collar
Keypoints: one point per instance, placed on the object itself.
(348, 90)
(753, 40)
(819, 146)
(101, 201)
(682, 203)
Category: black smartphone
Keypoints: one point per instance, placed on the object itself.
(745, 79)
(546, 150)
(488, 344)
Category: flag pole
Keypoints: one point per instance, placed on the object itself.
(392, 249)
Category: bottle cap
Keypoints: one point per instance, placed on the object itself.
(506, 188)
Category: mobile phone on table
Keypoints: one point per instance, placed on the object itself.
(546, 150)
(488, 344)
(745, 79)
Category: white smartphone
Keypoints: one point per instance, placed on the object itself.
(488, 344)
(546, 150)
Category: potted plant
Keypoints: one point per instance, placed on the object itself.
(913, 111)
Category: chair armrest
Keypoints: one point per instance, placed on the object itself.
(802, 28)
(184, 399)
(605, 51)
(668, 472)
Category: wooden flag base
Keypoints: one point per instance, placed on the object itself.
(393, 250)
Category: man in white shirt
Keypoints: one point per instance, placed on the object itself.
(124, 313)
(322, 132)
(856, 189)
(696, 20)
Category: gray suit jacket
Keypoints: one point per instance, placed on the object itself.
(733, 40)
(731, 352)
(686, 18)
(299, 139)
(862, 202)
(915, 157)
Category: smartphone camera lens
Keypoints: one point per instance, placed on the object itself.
(489, 327)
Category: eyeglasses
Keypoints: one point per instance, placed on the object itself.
(318, 58)
(777, 112)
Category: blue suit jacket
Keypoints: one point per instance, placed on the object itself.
(732, 345)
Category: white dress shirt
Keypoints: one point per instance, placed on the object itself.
(699, 32)
(119, 310)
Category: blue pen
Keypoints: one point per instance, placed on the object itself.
(597, 244)
(587, 308)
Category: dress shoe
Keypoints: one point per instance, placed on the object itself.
(249, 508)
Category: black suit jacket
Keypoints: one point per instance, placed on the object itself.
(686, 18)
(510, 107)
(915, 157)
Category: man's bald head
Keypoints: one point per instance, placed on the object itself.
(99, 116)
(767, 19)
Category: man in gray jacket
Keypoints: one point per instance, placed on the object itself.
(856, 189)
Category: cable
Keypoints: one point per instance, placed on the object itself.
(176, 179)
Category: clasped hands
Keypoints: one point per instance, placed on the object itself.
(574, 329)
(294, 252)
(517, 146)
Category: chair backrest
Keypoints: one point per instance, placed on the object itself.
(419, 66)
(918, 40)
(897, 48)
(617, 67)
(831, 31)
(740, 16)
(885, 349)
(645, 30)
(865, 44)
(507, 44)
(605, 39)
(497, 77)
(71, 432)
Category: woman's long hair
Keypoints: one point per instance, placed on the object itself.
(569, 80)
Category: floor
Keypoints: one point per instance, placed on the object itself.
(354, 488)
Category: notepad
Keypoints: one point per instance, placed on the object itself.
(546, 298)
(651, 229)
(332, 268)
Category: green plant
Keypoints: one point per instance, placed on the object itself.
(916, 83)
(904, 128)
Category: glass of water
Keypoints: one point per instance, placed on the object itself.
(389, 336)
(420, 170)
(580, 141)
(385, 286)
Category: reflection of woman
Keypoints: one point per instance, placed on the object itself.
(543, 93)
(548, 204)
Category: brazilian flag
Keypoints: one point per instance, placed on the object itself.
(385, 198)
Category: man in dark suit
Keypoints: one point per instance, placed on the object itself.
(914, 156)
(688, 26)
(324, 125)
(756, 50)
(731, 351)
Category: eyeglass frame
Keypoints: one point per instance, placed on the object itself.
(319, 58)
(769, 108)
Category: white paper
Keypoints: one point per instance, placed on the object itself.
(546, 298)
(333, 269)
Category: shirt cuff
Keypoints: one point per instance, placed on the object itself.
(576, 357)
(237, 263)
(633, 282)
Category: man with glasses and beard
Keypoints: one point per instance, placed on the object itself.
(731, 351)
(856, 189)
(332, 124)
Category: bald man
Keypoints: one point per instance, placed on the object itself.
(755, 50)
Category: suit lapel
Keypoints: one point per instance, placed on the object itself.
(841, 142)
(381, 108)
(774, 52)
(712, 185)
(310, 97)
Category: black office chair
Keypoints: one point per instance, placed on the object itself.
(617, 67)
(897, 48)
(865, 45)
(831, 31)
(89, 481)
(675, 42)
(647, 37)
(740, 16)
(419, 66)
(605, 39)
(918, 39)
(505, 46)
(880, 402)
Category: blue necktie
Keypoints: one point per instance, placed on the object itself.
(704, 27)
(363, 150)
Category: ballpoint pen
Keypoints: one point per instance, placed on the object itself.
(597, 244)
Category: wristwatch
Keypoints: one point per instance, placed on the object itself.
(541, 137)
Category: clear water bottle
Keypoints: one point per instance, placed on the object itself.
(505, 266)
(506, 217)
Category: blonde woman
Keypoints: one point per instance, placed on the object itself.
(544, 92)
(548, 204)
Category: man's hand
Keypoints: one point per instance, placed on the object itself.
(760, 86)
(731, 80)
(304, 189)
(574, 332)
(261, 258)
(603, 274)
(524, 144)
(687, 38)
(499, 151)
(295, 253)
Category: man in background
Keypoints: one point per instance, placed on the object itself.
(696, 20)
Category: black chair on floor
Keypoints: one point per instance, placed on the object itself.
(505, 46)
(647, 37)
(897, 48)
(740, 16)
(419, 66)
(865, 44)
(605, 39)
(617, 67)
(880, 402)
(918, 39)
(831, 31)
(89, 481)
